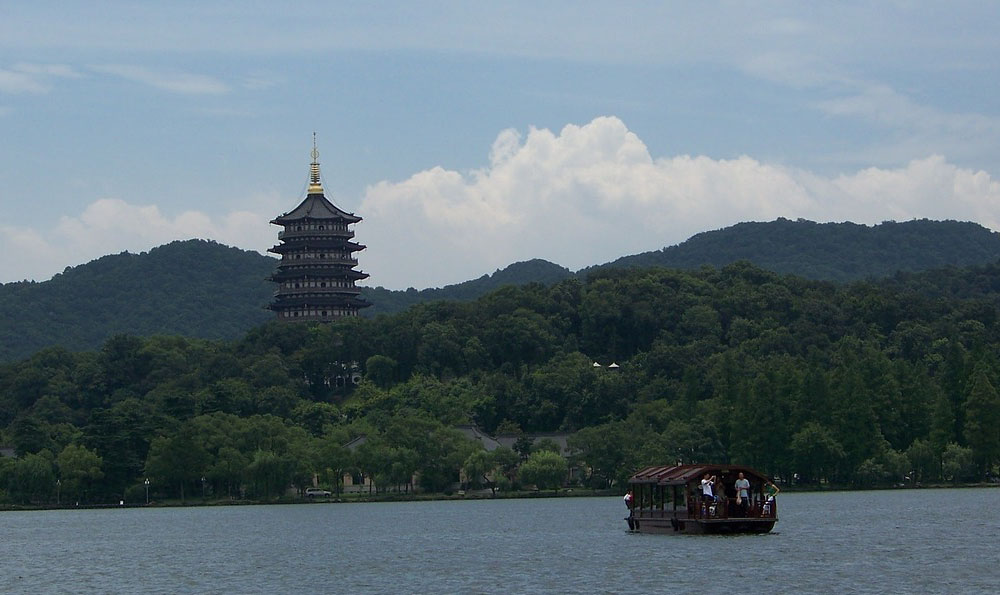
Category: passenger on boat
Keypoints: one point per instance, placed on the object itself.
(628, 499)
(706, 488)
(743, 493)
(769, 493)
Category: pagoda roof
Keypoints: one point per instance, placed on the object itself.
(313, 272)
(315, 206)
(318, 244)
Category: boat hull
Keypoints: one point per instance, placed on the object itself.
(700, 526)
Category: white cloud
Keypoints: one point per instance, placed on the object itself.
(33, 78)
(20, 82)
(880, 103)
(53, 70)
(581, 196)
(592, 193)
(175, 82)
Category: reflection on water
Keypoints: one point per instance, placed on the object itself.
(861, 542)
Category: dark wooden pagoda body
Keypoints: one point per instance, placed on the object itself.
(317, 273)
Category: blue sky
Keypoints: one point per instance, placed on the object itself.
(473, 135)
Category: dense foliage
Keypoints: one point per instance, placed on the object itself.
(206, 290)
(866, 383)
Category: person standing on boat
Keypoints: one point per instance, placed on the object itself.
(770, 491)
(628, 500)
(743, 493)
(706, 488)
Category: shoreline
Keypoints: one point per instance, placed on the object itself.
(361, 498)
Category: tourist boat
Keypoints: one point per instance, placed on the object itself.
(670, 500)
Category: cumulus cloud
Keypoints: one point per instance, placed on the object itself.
(589, 194)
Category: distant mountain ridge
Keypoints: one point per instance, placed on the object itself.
(830, 251)
(203, 289)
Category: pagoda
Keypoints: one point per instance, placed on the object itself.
(316, 275)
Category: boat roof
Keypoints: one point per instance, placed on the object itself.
(684, 474)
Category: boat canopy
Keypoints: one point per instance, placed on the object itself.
(684, 474)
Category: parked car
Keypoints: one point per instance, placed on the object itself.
(317, 493)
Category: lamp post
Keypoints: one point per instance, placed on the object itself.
(58, 491)
(203, 480)
(147, 490)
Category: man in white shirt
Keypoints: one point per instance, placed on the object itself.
(743, 493)
(706, 488)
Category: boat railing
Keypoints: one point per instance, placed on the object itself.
(726, 508)
(694, 507)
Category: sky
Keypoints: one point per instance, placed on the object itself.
(472, 135)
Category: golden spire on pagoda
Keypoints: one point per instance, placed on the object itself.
(315, 185)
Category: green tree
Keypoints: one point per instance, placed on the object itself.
(32, 478)
(334, 457)
(315, 417)
(478, 467)
(546, 444)
(269, 474)
(601, 450)
(79, 467)
(545, 469)
(854, 424)
(177, 459)
(381, 370)
(121, 435)
(982, 421)
(506, 461)
(228, 468)
(957, 463)
(374, 458)
(28, 434)
(816, 452)
(925, 460)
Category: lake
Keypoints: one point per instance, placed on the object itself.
(937, 541)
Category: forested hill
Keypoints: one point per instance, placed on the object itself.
(867, 383)
(203, 289)
(831, 251)
(194, 288)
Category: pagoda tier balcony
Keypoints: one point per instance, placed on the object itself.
(330, 301)
(300, 291)
(287, 273)
(318, 233)
(328, 261)
(316, 318)
(314, 245)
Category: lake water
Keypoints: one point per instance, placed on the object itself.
(937, 541)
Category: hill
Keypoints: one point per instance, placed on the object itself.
(386, 301)
(194, 288)
(206, 290)
(830, 251)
